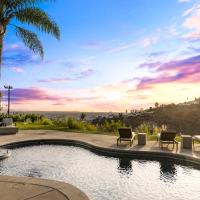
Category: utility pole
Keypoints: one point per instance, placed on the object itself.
(8, 87)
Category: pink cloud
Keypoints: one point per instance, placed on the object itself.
(191, 22)
(107, 106)
(54, 80)
(179, 71)
(17, 69)
(150, 65)
(27, 95)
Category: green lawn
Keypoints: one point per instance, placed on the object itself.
(35, 126)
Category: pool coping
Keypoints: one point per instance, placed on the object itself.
(65, 190)
(111, 152)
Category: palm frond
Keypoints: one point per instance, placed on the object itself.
(39, 19)
(27, 2)
(30, 39)
(20, 4)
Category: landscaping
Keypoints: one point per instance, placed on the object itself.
(107, 127)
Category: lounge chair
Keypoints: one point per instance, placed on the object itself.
(196, 138)
(167, 137)
(8, 122)
(125, 134)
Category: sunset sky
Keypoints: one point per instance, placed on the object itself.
(113, 55)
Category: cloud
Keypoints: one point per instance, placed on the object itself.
(157, 54)
(178, 71)
(28, 95)
(55, 80)
(150, 65)
(191, 22)
(92, 45)
(171, 30)
(16, 55)
(196, 50)
(122, 47)
(31, 94)
(130, 80)
(107, 106)
(17, 69)
(145, 43)
(148, 41)
(184, 1)
(83, 73)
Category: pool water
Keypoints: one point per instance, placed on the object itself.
(103, 178)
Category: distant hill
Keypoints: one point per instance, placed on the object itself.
(183, 117)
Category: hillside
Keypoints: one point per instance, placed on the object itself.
(184, 117)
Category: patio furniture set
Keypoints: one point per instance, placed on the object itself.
(165, 137)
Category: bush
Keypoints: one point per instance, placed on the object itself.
(157, 130)
(112, 126)
(28, 121)
(90, 127)
(62, 122)
(46, 121)
(144, 128)
(75, 124)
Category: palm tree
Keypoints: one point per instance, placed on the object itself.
(82, 116)
(26, 11)
(156, 104)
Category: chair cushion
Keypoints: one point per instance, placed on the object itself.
(197, 137)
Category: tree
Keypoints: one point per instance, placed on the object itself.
(82, 116)
(156, 105)
(26, 11)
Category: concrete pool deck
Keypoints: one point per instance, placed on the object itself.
(15, 188)
(99, 140)
(27, 188)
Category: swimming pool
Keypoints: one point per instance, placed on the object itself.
(103, 177)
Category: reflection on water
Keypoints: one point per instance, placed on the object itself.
(105, 178)
(33, 172)
(125, 166)
(167, 171)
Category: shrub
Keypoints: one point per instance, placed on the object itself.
(90, 127)
(157, 130)
(62, 122)
(112, 126)
(75, 124)
(28, 121)
(144, 128)
(46, 121)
